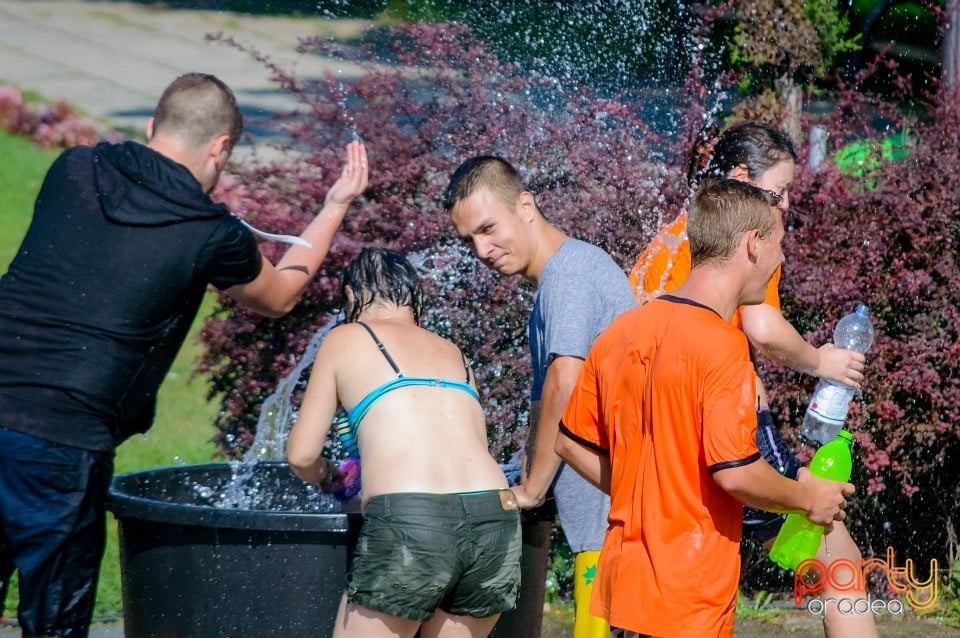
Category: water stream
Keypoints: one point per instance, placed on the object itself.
(277, 415)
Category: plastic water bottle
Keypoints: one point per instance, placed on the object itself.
(799, 539)
(831, 401)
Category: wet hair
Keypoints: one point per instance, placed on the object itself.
(198, 107)
(756, 146)
(483, 171)
(723, 210)
(379, 274)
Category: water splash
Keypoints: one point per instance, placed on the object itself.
(277, 415)
(248, 489)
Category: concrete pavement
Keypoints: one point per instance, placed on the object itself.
(99, 630)
(111, 60)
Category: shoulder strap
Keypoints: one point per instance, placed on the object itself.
(466, 366)
(383, 349)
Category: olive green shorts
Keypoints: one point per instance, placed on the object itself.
(419, 552)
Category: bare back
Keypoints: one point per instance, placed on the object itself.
(418, 438)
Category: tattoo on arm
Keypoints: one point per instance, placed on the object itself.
(298, 268)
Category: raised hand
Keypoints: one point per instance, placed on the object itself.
(353, 178)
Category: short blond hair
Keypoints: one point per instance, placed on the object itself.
(721, 212)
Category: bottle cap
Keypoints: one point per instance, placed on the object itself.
(843, 434)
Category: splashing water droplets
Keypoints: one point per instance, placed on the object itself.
(245, 490)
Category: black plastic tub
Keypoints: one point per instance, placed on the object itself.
(190, 568)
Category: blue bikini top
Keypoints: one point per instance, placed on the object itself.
(347, 428)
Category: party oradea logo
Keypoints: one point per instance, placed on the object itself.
(812, 577)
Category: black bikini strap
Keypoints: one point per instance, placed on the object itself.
(382, 348)
(466, 367)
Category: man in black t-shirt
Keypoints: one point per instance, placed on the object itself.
(123, 243)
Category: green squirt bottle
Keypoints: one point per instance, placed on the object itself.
(799, 539)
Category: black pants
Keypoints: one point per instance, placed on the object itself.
(53, 529)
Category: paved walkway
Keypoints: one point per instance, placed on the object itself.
(113, 59)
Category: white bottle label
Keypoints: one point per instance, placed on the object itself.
(831, 403)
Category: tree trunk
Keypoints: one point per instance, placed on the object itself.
(791, 99)
(951, 46)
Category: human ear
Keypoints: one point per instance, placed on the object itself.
(526, 206)
(149, 130)
(752, 239)
(220, 151)
(739, 173)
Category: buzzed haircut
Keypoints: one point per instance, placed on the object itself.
(721, 212)
(198, 107)
(484, 171)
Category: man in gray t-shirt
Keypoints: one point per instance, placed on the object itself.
(579, 291)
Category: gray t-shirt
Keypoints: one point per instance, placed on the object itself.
(581, 290)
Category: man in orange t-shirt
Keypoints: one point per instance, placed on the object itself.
(664, 418)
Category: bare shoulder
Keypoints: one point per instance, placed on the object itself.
(341, 339)
(439, 341)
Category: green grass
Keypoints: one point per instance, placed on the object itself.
(758, 608)
(24, 166)
(184, 423)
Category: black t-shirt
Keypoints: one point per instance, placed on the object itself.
(102, 292)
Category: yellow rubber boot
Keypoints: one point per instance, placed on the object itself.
(584, 571)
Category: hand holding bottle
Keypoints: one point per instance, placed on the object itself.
(840, 365)
(799, 538)
(347, 485)
(828, 499)
(830, 401)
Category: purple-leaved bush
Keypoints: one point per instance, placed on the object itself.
(50, 126)
(888, 238)
(445, 98)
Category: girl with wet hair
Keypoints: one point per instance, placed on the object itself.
(380, 275)
(753, 152)
(761, 155)
(754, 146)
(440, 543)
